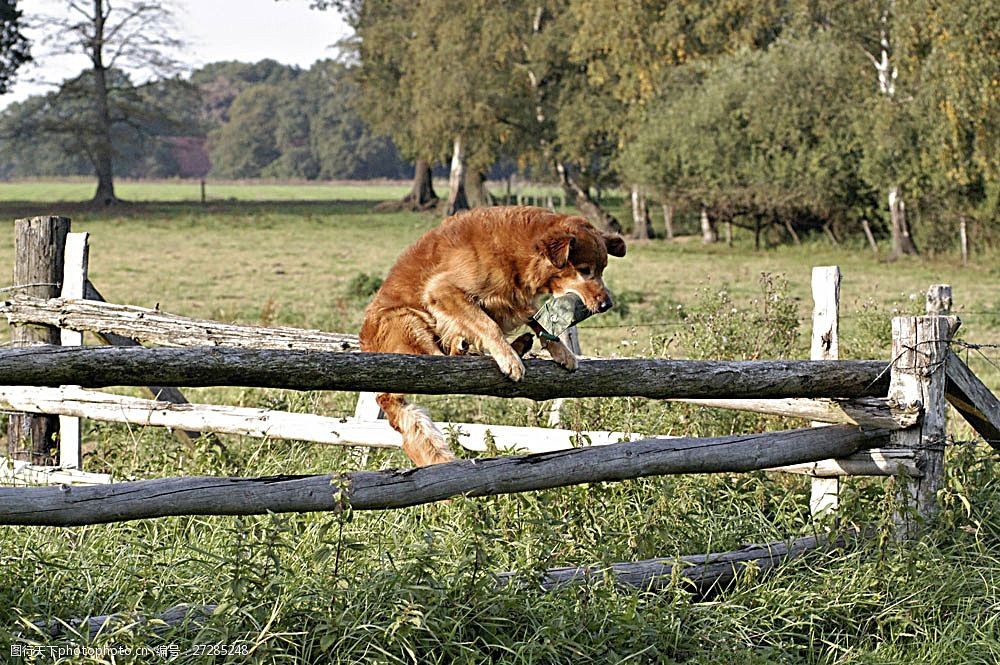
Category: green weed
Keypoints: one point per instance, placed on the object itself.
(416, 585)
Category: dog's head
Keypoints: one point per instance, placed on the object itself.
(578, 254)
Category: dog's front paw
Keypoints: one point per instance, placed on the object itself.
(510, 364)
(561, 354)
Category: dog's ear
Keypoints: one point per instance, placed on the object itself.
(555, 247)
(615, 244)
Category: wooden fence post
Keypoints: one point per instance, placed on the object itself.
(868, 234)
(39, 246)
(919, 351)
(939, 300)
(77, 257)
(825, 492)
(571, 338)
(963, 235)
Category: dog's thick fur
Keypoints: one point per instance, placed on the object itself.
(466, 284)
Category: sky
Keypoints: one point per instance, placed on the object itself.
(248, 30)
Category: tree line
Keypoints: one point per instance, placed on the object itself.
(800, 115)
(227, 120)
(782, 116)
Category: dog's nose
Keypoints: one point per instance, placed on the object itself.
(605, 304)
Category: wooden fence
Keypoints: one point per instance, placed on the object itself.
(878, 417)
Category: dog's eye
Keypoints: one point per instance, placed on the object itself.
(585, 271)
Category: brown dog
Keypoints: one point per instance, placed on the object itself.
(476, 278)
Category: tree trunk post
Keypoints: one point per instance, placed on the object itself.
(642, 227)
(421, 195)
(871, 237)
(939, 300)
(477, 193)
(668, 220)
(824, 496)
(791, 232)
(902, 239)
(708, 233)
(585, 203)
(963, 235)
(571, 338)
(919, 351)
(39, 248)
(103, 153)
(457, 200)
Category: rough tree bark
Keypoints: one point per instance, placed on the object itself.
(39, 246)
(668, 220)
(103, 160)
(581, 198)
(421, 196)
(98, 367)
(902, 239)
(476, 192)
(378, 490)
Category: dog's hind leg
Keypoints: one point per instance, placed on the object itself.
(423, 442)
(401, 331)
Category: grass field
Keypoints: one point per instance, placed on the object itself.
(412, 586)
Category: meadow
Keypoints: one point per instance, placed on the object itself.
(414, 585)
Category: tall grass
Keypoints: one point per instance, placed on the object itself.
(415, 585)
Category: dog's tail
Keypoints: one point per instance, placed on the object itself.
(423, 442)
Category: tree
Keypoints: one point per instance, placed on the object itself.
(301, 125)
(716, 140)
(630, 47)
(219, 83)
(381, 48)
(136, 35)
(477, 84)
(14, 50)
(246, 145)
(56, 133)
(953, 51)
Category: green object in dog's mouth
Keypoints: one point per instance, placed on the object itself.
(559, 313)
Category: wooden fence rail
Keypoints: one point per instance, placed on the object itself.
(156, 327)
(377, 490)
(383, 372)
(249, 421)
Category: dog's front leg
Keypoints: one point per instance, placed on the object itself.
(559, 351)
(456, 315)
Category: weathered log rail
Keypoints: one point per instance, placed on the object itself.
(704, 574)
(267, 423)
(378, 490)
(171, 330)
(384, 372)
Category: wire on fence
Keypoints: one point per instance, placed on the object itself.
(18, 287)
